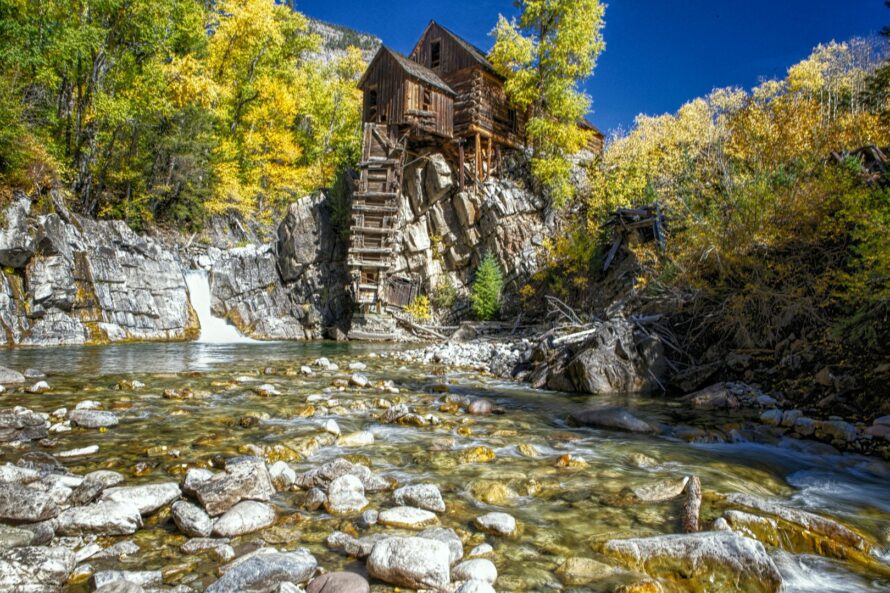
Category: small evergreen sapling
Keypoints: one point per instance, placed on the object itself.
(487, 287)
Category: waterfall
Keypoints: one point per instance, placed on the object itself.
(213, 329)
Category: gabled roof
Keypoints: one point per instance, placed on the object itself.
(411, 68)
(474, 52)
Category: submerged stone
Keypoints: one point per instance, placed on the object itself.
(263, 573)
(413, 562)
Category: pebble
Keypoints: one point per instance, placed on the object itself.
(39, 387)
(481, 550)
(89, 450)
(496, 524)
(359, 380)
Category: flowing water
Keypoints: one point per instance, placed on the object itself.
(213, 329)
(564, 511)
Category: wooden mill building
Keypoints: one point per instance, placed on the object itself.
(446, 95)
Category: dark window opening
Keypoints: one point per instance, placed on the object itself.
(511, 119)
(427, 99)
(372, 105)
(435, 54)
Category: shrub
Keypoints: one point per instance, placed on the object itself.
(486, 292)
(419, 309)
(444, 295)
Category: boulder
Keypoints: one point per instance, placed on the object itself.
(246, 480)
(613, 418)
(25, 504)
(412, 562)
(475, 587)
(714, 397)
(244, 517)
(660, 491)
(407, 518)
(93, 418)
(148, 497)
(13, 537)
(717, 560)
(35, 569)
(422, 496)
(10, 377)
(218, 548)
(264, 573)
(581, 571)
(447, 536)
(101, 518)
(500, 524)
(346, 494)
(478, 569)
(438, 178)
(339, 582)
(140, 578)
(23, 425)
(191, 519)
(16, 238)
(120, 587)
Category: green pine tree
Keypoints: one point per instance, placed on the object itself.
(486, 293)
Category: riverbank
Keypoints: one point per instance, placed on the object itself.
(363, 461)
(768, 417)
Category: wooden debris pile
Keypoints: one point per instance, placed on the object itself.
(647, 221)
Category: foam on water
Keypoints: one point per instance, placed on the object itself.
(812, 574)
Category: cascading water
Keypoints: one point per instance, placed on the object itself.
(213, 329)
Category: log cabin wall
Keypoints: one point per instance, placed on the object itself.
(482, 106)
(428, 108)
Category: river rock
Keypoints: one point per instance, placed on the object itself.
(361, 438)
(35, 569)
(219, 548)
(500, 524)
(191, 519)
(346, 494)
(823, 526)
(101, 518)
(193, 477)
(612, 418)
(660, 491)
(10, 377)
(148, 497)
(723, 560)
(447, 536)
(479, 569)
(22, 425)
(422, 496)
(120, 587)
(244, 517)
(356, 547)
(413, 562)
(264, 573)
(26, 504)
(475, 587)
(405, 517)
(120, 550)
(142, 578)
(326, 473)
(246, 480)
(581, 571)
(13, 537)
(39, 387)
(339, 582)
(282, 476)
(714, 397)
(93, 418)
(479, 407)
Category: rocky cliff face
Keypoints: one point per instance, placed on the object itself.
(445, 232)
(70, 280)
(67, 279)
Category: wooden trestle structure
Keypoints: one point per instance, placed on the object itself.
(375, 213)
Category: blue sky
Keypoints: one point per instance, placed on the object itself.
(659, 53)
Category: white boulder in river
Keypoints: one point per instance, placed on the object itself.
(35, 569)
(346, 494)
(497, 524)
(246, 479)
(413, 562)
(479, 569)
(102, 518)
(148, 497)
(244, 517)
(263, 573)
(191, 519)
(729, 562)
(422, 496)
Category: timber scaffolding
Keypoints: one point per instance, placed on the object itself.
(375, 213)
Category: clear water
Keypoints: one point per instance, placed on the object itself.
(564, 512)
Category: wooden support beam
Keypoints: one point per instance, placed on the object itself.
(461, 167)
(478, 156)
(488, 169)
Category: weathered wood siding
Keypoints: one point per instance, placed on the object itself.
(481, 105)
(452, 57)
(435, 115)
(388, 80)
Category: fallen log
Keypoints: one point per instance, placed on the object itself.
(692, 507)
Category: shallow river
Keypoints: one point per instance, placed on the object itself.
(564, 511)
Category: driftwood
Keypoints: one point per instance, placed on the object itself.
(647, 219)
(420, 329)
(692, 507)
